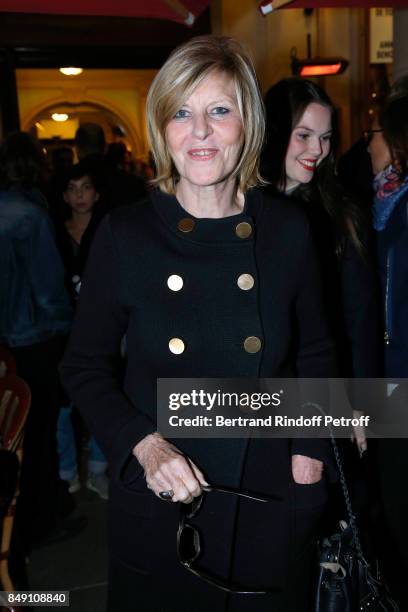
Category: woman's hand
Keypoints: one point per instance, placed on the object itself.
(358, 436)
(166, 469)
(306, 470)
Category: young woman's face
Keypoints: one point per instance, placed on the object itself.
(205, 136)
(81, 195)
(309, 144)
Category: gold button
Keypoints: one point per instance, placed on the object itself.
(176, 346)
(252, 344)
(186, 225)
(175, 282)
(243, 230)
(245, 282)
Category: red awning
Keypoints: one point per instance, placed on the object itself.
(348, 3)
(267, 6)
(175, 10)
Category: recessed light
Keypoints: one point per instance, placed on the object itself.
(59, 117)
(71, 71)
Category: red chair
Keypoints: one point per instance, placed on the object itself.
(7, 363)
(15, 398)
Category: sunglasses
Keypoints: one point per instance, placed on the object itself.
(368, 134)
(189, 540)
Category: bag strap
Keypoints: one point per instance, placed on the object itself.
(346, 495)
(344, 487)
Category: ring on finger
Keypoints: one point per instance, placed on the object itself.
(166, 495)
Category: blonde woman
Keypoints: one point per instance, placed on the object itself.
(207, 279)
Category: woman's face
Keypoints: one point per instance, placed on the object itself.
(205, 136)
(378, 149)
(309, 144)
(81, 195)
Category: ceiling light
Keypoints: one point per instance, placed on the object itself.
(71, 71)
(59, 117)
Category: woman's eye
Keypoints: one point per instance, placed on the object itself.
(181, 114)
(326, 138)
(303, 136)
(219, 110)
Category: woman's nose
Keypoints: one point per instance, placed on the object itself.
(316, 146)
(201, 126)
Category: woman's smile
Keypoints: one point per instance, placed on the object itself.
(308, 164)
(202, 154)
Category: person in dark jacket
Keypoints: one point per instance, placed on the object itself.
(35, 316)
(206, 277)
(388, 148)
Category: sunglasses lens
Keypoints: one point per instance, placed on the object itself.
(189, 544)
(192, 509)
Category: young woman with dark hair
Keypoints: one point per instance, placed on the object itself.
(80, 211)
(299, 160)
(80, 215)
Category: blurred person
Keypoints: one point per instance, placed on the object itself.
(90, 141)
(354, 166)
(117, 188)
(128, 187)
(400, 87)
(74, 237)
(354, 172)
(35, 315)
(116, 155)
(62, 159)
(142, 169)
(388, 148)
(206, 277)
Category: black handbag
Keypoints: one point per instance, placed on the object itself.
(346, 582)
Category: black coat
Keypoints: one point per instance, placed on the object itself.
(125, 291)
(350, 295)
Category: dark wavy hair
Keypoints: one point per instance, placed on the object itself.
(285, 104)
(78, 171)
(394, 121)
(22, 162)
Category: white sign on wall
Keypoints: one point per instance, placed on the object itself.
(381, 36)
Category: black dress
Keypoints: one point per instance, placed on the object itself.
(125, 292)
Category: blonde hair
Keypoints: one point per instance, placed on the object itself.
(184, 70)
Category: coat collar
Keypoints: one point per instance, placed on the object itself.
(236, 229)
